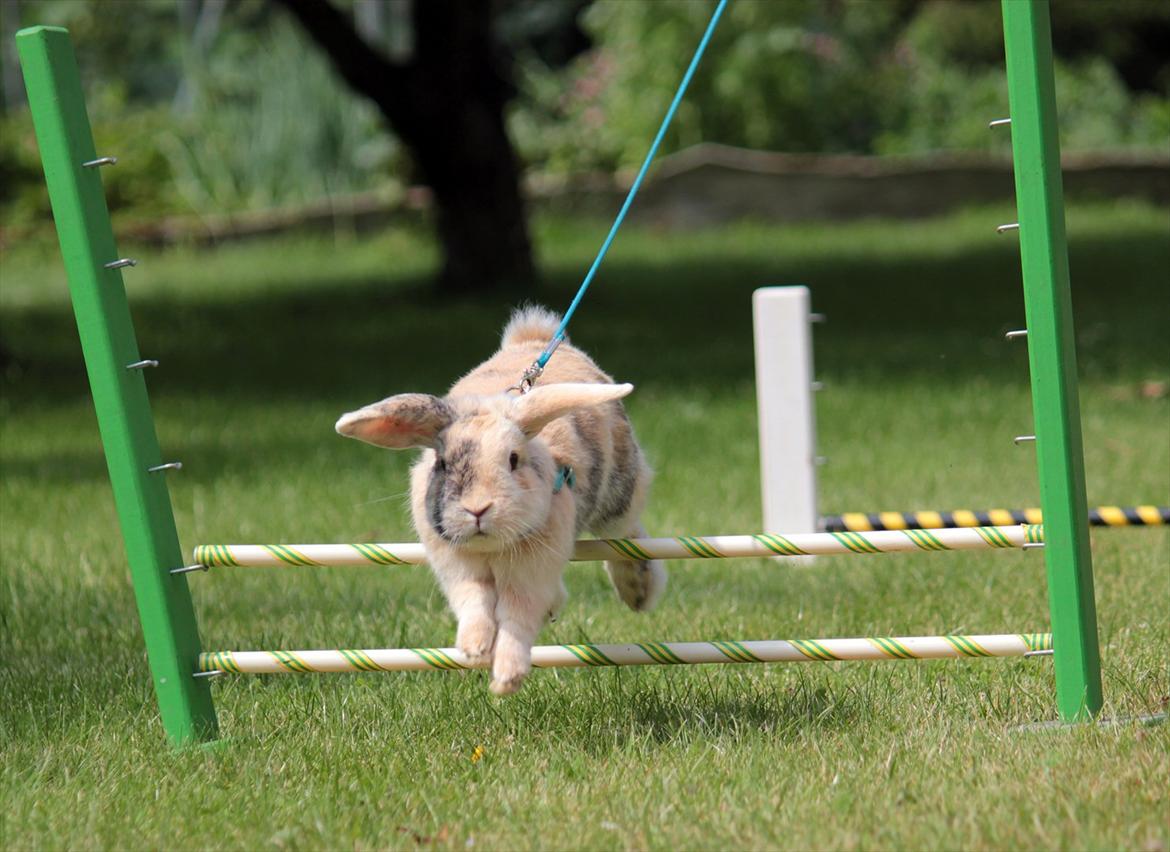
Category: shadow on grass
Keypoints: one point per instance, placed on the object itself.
(717, 708)
(681, 323)
(603, 713)
(239, 455)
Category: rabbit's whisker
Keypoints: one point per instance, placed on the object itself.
(383, 499)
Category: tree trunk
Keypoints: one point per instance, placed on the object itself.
(447, 106)
(468, 161)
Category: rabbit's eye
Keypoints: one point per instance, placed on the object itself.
(513, 460)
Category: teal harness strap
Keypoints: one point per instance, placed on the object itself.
(565, 476)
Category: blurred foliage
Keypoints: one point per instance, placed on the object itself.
(954, 54)
(263, 121)
(798, 75)
(270, 124)
(134, 47)
(896, 77)
(135, 135)
(255, 117)
(947, 108)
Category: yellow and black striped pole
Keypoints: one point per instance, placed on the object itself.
(1100, 516)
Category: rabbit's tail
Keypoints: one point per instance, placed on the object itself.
(530, 323)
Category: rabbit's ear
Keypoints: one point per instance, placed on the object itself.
(544, 404)
(406, 420)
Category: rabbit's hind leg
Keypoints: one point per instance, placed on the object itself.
(638, 582)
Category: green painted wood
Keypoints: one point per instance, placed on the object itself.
(1052, 356)
(119, 395)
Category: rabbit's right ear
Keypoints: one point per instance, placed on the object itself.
(541, 405)
(405, 420)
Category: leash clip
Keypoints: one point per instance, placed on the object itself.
(528, 380)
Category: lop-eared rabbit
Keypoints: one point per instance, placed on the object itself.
(506, 483)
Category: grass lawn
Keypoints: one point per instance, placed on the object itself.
(262, 346)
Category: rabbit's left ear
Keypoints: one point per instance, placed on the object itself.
(406, 420)
(544, 404)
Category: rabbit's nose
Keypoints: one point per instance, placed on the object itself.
(477, 513)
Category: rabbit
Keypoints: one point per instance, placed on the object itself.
(506, 483)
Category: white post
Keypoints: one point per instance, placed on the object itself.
(784, 394)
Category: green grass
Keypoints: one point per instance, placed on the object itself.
(262, 345)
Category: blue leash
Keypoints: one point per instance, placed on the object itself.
(533, 372)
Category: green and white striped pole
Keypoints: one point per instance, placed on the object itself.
(682, 547)
(635, 654)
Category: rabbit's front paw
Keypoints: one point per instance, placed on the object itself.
(475, 639)
(508, 686)
(509, 672)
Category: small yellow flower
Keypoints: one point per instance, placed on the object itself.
(477, 754)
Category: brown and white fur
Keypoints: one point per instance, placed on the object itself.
(482, 492)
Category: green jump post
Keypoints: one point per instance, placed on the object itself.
(1052, 357)
(119, 393)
